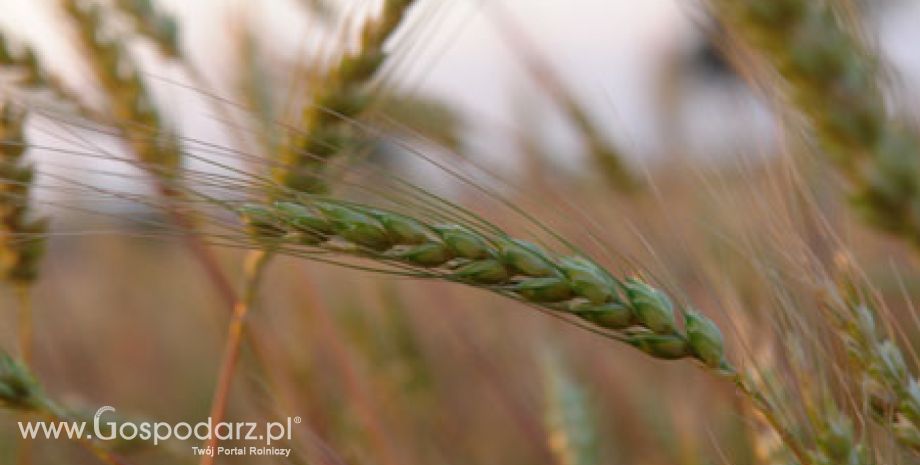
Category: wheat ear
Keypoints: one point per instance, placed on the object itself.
(343, 95)
(634, 310)
(131, 106)
(833, 80)
(142, 127)
(894, 392)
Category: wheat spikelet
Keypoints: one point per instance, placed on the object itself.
(833, 79)
(21, 236)
(341, 96)
(152, 23)
(33, 75)
(836, 440)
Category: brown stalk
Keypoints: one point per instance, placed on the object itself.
(255, 264)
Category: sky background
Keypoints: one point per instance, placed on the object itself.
(615, 55)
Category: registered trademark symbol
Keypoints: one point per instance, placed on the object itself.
(297, 420)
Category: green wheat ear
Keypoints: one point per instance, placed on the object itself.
(632, 310)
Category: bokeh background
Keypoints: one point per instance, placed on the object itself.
(395, 371)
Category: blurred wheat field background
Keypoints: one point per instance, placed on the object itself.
(574, 233)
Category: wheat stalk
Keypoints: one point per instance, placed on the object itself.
(833, 80)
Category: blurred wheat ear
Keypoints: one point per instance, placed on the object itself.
(881, 367)
(130, 104)
(603, 154)
(345, 93)
(569, 419)
(832, 77)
